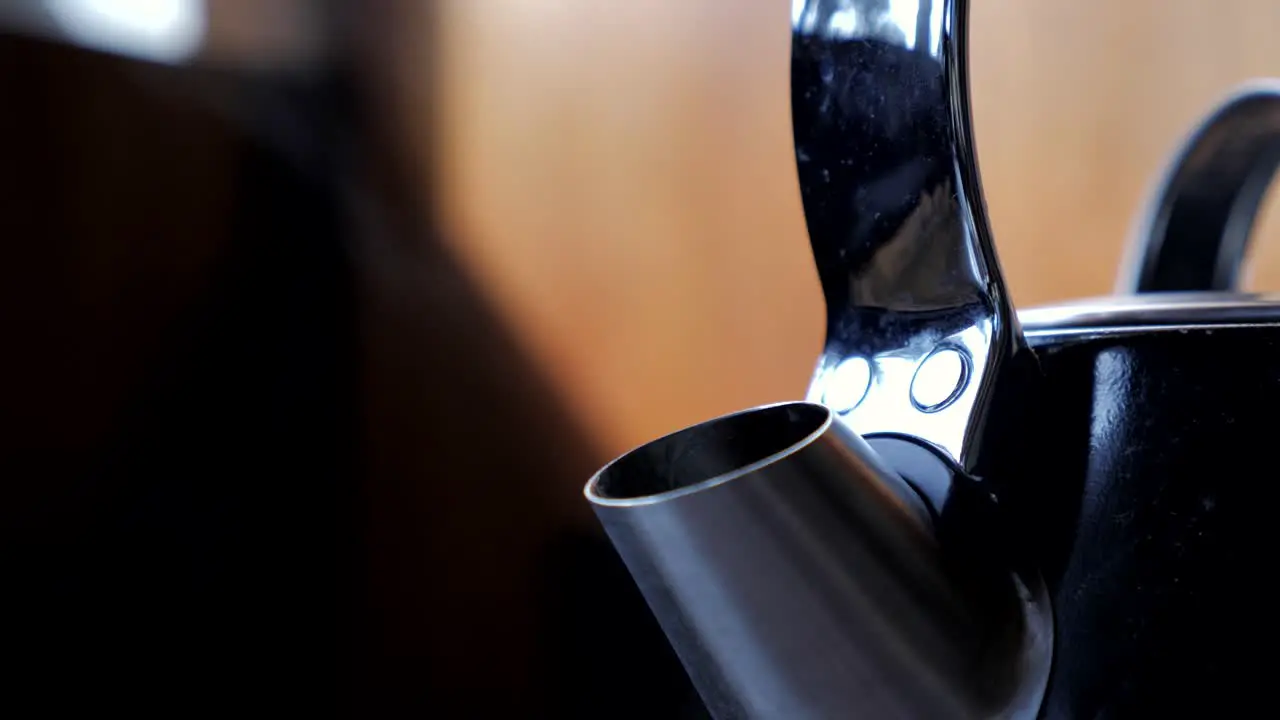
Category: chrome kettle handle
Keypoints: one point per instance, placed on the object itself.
(1194, 233)
(918, 320)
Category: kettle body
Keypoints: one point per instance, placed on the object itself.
(1145, 494)
(977, 512)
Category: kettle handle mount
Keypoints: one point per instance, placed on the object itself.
(919, 323)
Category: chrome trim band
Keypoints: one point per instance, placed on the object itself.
(1131, 315)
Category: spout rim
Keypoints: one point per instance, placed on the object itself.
(597, 498)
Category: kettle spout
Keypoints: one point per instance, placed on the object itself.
(794, 571)
(798, 576)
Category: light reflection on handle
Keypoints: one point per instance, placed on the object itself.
(896, 218)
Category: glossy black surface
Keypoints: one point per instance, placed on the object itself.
(1149, 505)
(1195, 234)
(896, 218)
(798, 576)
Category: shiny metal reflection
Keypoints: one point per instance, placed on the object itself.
(798, 576)
(894, 208)
(939, 379)
(848, 385)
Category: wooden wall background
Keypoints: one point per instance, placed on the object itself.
(619, 176)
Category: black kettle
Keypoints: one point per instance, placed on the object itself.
(1063, 512)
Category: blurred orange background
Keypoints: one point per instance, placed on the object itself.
(619, 176)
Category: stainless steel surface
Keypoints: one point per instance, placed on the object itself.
(1194, 234)
(896, 216)
(1152, 312)
(798, 577)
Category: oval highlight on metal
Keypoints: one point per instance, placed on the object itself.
(940, 379)
(848, 384)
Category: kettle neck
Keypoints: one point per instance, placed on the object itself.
(918, 320)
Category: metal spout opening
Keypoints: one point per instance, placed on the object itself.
(712, 452)
(797, 575)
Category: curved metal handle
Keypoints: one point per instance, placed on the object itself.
(1195, 231)
(918, 321)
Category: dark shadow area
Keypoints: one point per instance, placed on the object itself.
(262, 446)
